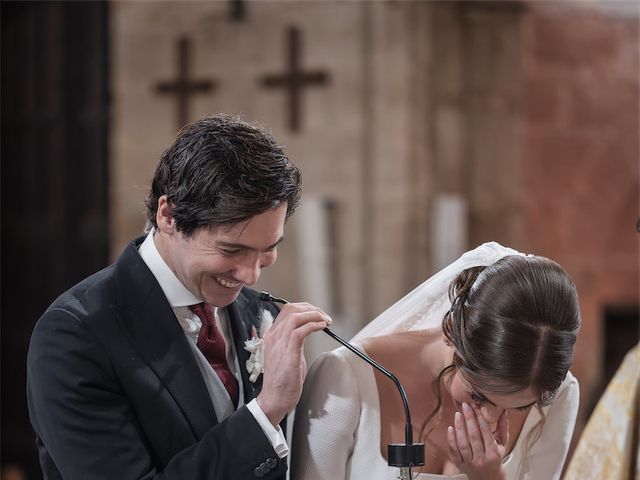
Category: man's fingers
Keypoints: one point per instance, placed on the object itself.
(295, 329)
(298, 335)
(292, 308)
(293, 315)
(284, 363)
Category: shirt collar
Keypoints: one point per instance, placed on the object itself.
(177, 294)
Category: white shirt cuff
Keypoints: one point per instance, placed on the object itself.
(275, 435)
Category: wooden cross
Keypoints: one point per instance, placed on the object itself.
(183, 87)
(294, 79)
(237, 11)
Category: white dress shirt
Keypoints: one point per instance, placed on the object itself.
(180, 299)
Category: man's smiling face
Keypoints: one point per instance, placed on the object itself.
(215, 263)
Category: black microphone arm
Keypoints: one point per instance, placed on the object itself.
(403, 456)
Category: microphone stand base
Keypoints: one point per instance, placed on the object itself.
(401, 455)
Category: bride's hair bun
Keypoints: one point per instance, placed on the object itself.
(513, 325)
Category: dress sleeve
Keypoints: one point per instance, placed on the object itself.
(547, 455)
(326, 420)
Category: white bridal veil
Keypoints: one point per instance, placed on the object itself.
(425, 306)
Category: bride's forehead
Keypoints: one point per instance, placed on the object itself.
(506, 400)
(513, 400)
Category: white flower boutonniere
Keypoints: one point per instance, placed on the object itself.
(255, 346)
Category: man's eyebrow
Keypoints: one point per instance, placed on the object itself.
(222, 243)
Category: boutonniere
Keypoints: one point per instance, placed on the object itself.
(255, 346)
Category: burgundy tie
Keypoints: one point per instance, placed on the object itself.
(211, 344)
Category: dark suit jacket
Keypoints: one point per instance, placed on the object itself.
(115, 392)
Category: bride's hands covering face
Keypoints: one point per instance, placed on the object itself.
(474, 448)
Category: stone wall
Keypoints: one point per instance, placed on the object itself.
(528, 111)
(361, 145)
(581, 168)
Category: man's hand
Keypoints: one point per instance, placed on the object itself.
(284, 363)
(474, 448)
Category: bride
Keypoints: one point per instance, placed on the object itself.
(483, 350)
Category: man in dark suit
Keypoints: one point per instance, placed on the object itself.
(140, 371)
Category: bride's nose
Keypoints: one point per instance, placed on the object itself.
(491, 414)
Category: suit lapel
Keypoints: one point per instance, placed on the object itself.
(156, 334)
(243, 314)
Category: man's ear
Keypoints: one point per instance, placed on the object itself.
(164, 219)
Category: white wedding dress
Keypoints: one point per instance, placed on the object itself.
(337, 423)
(337, 428)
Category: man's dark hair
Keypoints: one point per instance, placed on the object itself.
(221, 171)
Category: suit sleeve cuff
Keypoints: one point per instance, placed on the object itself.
(275, 435)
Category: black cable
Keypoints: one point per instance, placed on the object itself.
(408, 433)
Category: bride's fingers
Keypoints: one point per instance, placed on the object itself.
(462, 438)
(476, 440)
(485, 429)
(454, 453)
(502, 432)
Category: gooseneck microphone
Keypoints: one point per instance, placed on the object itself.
(404, 456)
